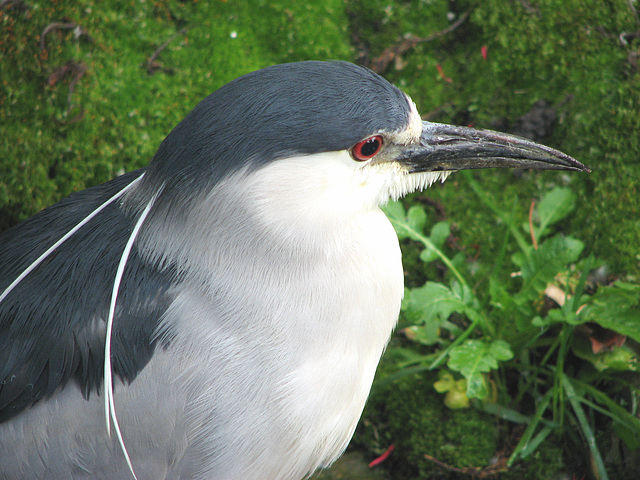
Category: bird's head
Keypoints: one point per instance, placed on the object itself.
(314, 139)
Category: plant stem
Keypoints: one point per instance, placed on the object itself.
(462, 337)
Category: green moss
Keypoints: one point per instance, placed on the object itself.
(120, 112)
(412, 416)
(423, 425)
(569, 54)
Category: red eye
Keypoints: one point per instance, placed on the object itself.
(367, 148)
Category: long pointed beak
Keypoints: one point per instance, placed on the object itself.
(449, 148)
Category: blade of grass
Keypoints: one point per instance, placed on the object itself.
(589, 437)
(616, 412)
(506, 413)
(499, 258)
(558, 390)
(572, 302)
(536, 441)
(531, 428)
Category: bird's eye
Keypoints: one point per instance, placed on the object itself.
(367, 148)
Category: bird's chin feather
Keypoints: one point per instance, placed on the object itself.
(412, 182)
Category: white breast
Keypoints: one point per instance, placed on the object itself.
(278, 353)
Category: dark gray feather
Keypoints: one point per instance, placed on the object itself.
(52, 325)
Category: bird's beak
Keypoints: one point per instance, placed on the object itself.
(449, 148)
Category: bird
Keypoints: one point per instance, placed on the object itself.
(220, 314)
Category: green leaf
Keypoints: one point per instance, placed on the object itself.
(431, 300)
(535, 442)
(620, 359)
(506, 305)
(564, 315)
(439, 234)
(456, 397)
(411, 225)
(615, 411)
(473, 358)
(540, 266)
(554, 206)
(426, 334)
(445, 383)
(500, 350)
(501, 298)
(428, 308)
(532, 424)
(616, 307)
(477, 386)
(628, 436)
(416, 218)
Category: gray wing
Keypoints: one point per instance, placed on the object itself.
(53, 323)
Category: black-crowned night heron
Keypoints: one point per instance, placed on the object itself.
(225, 308)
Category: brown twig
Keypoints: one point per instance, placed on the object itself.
(490, 471)
(625, 35)
(151, 64)
(390, 54)
(78, 32)
(451, 468)
(18, 4)
(77, 71)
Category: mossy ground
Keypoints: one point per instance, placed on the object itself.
(413, 418)
(53, 143)
(580, 57)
